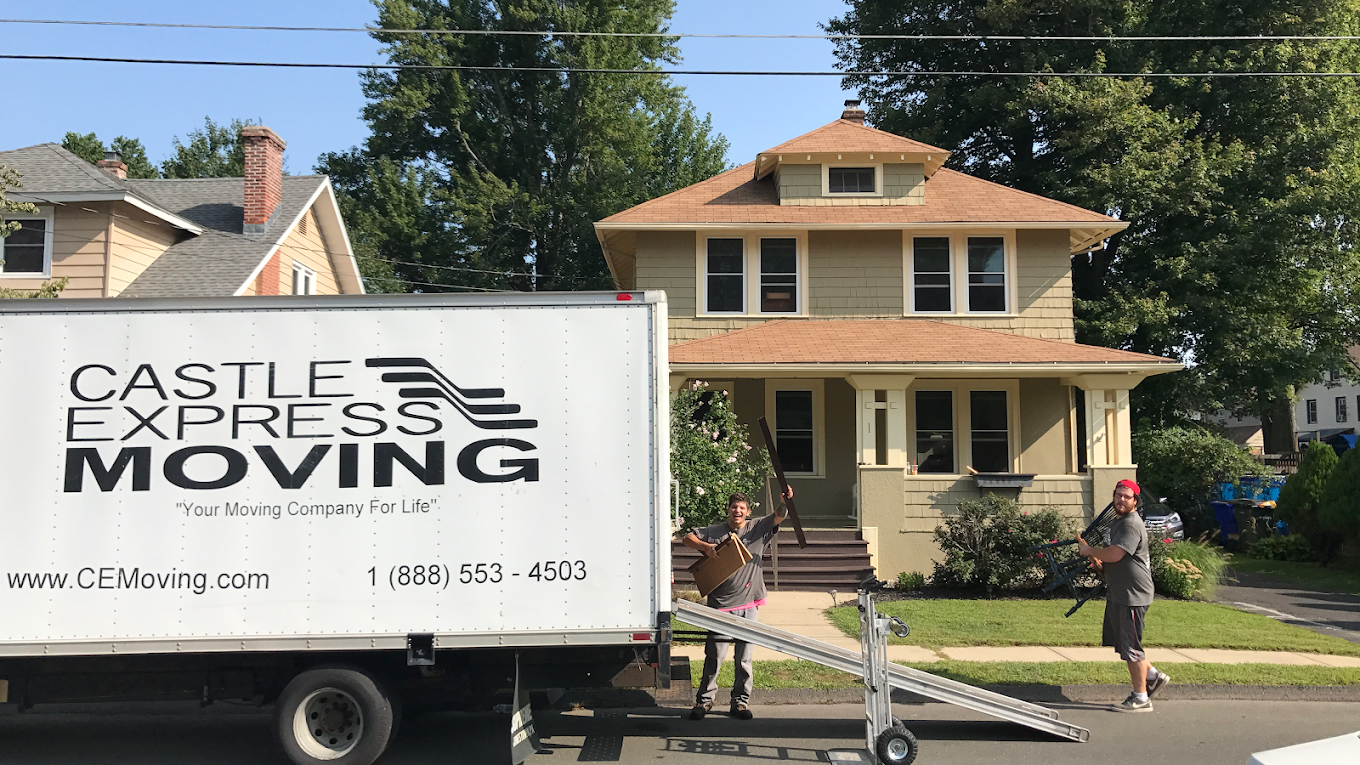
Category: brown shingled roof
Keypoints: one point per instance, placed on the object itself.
(951, 197)
(891, 341)
(851, 138)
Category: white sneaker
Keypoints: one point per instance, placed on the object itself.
(1132, 704)
(1156, 685)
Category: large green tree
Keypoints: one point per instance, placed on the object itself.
(492, 179)
(212, 151)
(1239, 191)
(88, 147)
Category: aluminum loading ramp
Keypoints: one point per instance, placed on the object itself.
(917, 682)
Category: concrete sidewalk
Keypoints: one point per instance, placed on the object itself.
(801, 612)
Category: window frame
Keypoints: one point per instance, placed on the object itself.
(1007, 275)
(958, 267)
(878, 180)
(1341, 407)
(45, 214)
(963, 421)
(1310, 413)
(751, 271)
(818, 388)
(910, 268)
(309, 277)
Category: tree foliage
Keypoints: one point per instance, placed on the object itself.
(1184, 464)
(710, 457)
(1301, 497)
(493, 179)
(1239, 192)
(1339, 506)
(9, 180)
(88, 147)
(213, 151)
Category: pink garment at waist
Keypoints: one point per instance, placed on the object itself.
(752, 604)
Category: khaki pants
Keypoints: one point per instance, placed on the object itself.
(715, 651)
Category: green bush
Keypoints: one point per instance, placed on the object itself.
(1185, 569)
(1339, 508)
(1301, 498)
(710, 456)
(1294, 548)
(1184, 465)
(986, 545)
(911, 581)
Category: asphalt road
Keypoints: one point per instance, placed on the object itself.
(1328, 613)
(1198, 732)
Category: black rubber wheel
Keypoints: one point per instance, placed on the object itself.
(895, 746)
(334, 715)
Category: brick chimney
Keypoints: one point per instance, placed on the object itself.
(853, 112)
(264, 176)
(113, 162)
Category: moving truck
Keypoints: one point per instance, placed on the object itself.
(343, 505)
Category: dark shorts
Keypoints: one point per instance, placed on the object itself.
(1123, 630)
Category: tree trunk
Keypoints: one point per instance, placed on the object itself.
(1279, 429)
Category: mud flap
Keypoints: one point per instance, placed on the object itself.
(523, 737)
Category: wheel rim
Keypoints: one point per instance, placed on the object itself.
(898, 749)
(327, 724)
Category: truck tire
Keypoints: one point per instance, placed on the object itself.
(334, 715)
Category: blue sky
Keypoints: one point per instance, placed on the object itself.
(318, 111)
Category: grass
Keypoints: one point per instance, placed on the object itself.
(805, 674)
(1309, 575)
(1170, 624)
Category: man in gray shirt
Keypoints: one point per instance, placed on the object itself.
(741, 595)
(1128, 581)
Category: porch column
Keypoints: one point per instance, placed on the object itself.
(1109, 443)
(867, 406)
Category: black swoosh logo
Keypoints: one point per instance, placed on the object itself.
(422, 380)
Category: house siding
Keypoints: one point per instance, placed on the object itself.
(801, 184)
(666, 261)
(136, 244)
(310, 250)
(1045, 411)
(78, 245)
(855, 273)
(1043, 289)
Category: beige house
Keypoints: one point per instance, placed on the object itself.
(897, 323)
(112, 236)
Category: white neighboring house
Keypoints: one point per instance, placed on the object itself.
(1325, 409)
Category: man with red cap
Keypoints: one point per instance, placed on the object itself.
(1128, 582)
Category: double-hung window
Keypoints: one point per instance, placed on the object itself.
(1310, 411)
(794, 433)
(778, 276)
(725, 276)
(935, 431)
(1340, 408)
(986, 274)
(27, 251)
(931, 287)
(304, 280)
(989, 434)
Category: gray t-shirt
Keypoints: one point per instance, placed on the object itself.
(1129, 580)
(748, 584)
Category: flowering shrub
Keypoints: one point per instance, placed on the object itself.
(1185, 569)
(986, 545)
(710, 456)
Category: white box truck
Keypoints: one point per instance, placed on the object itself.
(342, 505)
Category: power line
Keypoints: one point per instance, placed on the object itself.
(480, 270)
(567, 33)
(661, 72)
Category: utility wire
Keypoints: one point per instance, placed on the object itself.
(565, 33)
(661, 72)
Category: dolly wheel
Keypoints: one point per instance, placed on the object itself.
(896, 746)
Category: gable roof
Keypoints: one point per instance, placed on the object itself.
(52, 174)
(222, 259)
(878, 343)
(848, 137)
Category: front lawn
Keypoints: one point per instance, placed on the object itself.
(1170, 624)
(1306, 575)
(805, 674)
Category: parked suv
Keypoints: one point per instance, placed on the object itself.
(1162, 522)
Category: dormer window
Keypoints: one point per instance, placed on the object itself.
(852, 180)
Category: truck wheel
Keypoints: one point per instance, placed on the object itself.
(334, 715)
(896, 746)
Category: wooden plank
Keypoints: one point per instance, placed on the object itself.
(783, 483)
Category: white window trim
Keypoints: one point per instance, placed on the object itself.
(958, 274)
(1310, 417)
(963, 421)
(307, 274)
(751, 273)
(909, 267)
(818, 419)
(44, 214)
(878, 179)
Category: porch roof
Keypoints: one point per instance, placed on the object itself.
(905, 345)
